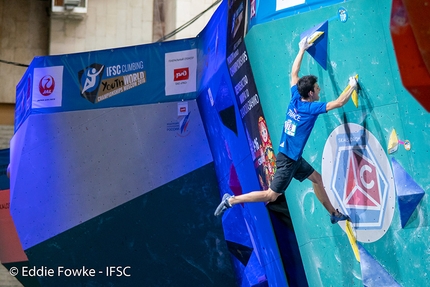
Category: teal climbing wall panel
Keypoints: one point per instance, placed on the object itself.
(361, 45)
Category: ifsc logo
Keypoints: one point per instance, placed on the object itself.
(358, 178)
(90, 79)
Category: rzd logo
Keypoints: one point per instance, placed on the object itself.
(358, 179)
(181, 74)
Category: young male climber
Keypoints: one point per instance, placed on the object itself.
(302, 112)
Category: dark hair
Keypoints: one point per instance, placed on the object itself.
(306, 84)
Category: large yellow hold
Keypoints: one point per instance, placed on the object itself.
(352, 240)
(354, 95)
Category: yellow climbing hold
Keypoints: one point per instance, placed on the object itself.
(355, 94)
(314, 36)
(393, 142)
(352, 240)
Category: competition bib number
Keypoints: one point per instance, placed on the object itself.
(290, 128)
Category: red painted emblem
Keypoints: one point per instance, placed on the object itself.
(362, 184)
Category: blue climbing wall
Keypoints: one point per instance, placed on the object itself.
(385, 194)
(247, 228)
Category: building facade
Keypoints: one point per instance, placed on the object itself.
(31, 28)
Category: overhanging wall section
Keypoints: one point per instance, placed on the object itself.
(110, 166)
(247, 228)
(87, 162)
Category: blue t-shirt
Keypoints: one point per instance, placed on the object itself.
(299, 122)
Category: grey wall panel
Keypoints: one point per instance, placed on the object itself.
(70, 167)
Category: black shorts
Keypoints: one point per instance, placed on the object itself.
(286, 169)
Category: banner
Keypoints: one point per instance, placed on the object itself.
(144, 74)
(246, 95)
(269, 10)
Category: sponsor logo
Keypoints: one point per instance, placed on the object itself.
(46, 85)
(180, 126)
(359, 181)
(182, 109)
(99, 83)
(181, 74)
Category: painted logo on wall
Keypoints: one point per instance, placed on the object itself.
(180, 125)
(358, 178)
(99, 82)
(342, 14)
(47, 87)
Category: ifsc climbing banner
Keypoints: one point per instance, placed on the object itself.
(246, 93)
(144, 74)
